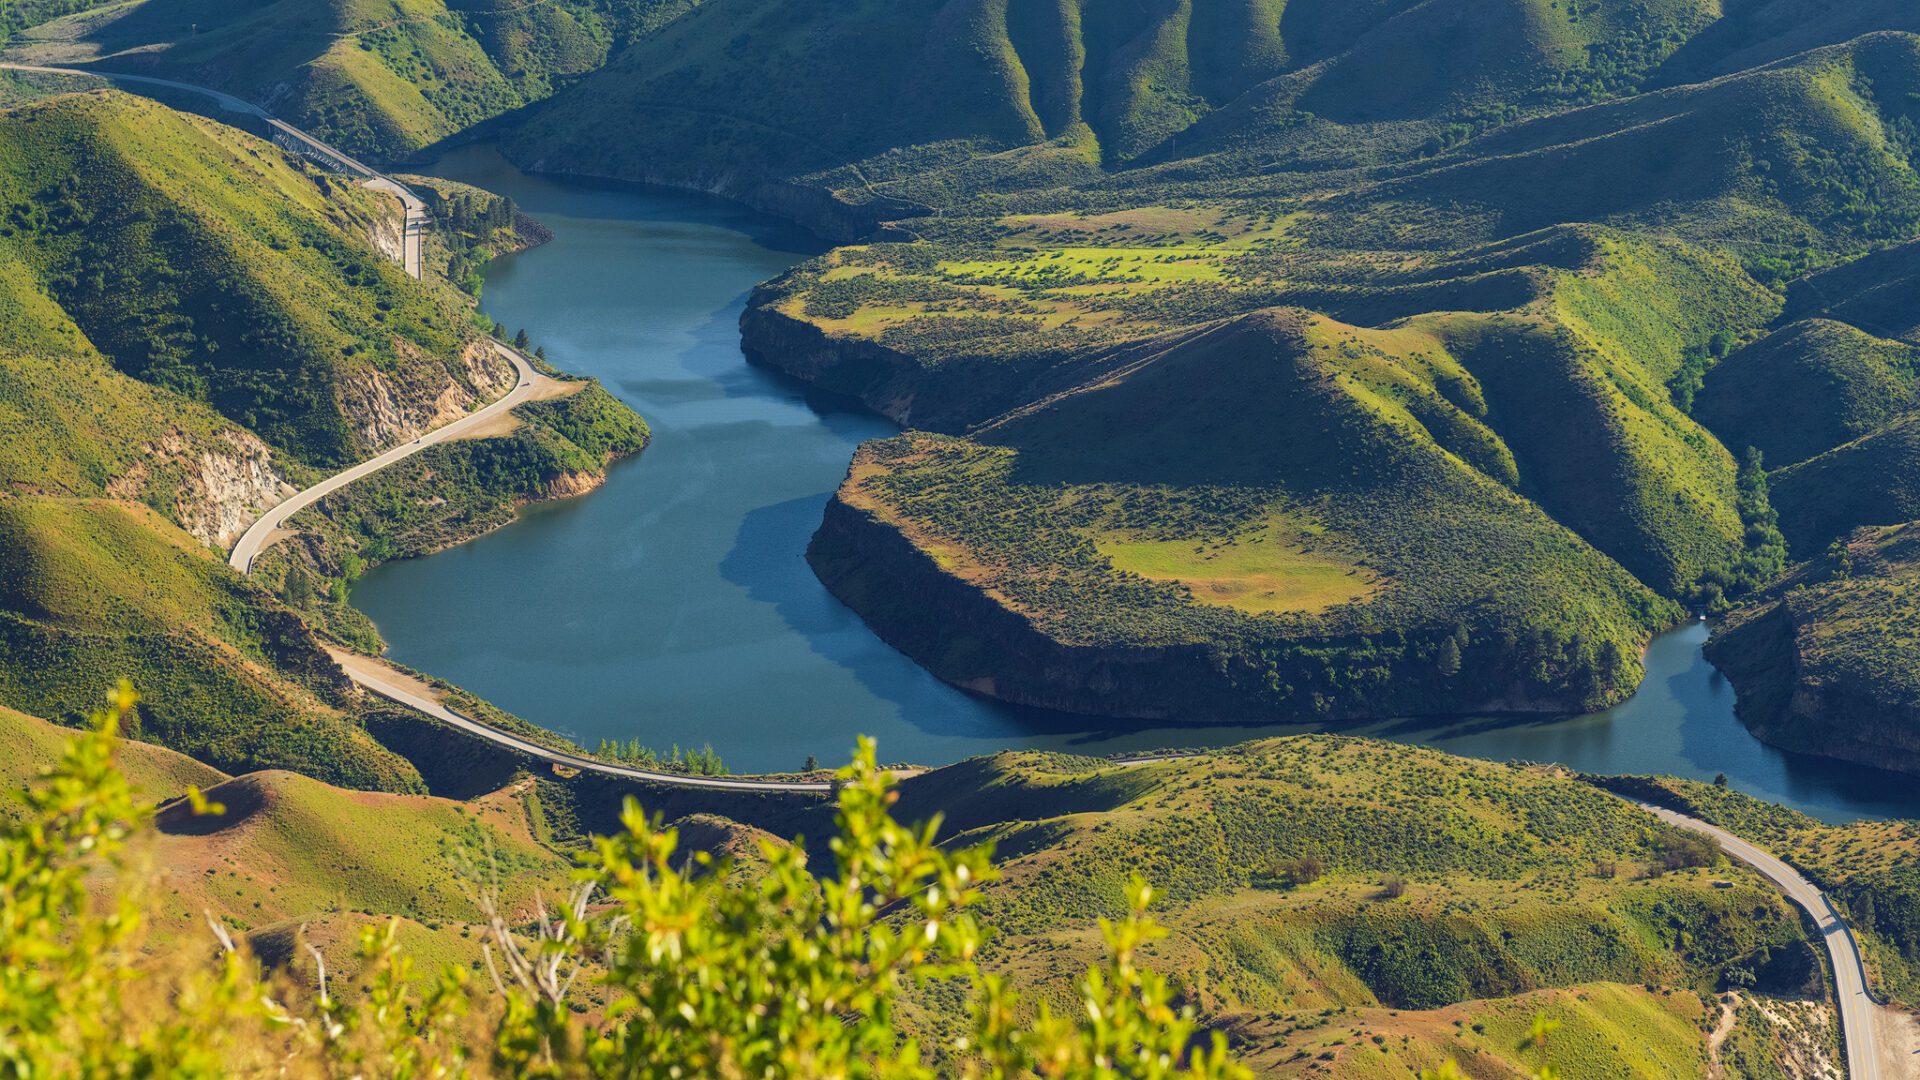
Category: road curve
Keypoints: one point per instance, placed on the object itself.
(377, 678)
(416, 210)
(254, 540)
(383, 681)
(226, 100)
(1859, 1013)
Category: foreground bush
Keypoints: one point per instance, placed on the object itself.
(703, 974)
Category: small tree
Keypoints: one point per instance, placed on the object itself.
(1304, 870)
(705, 972)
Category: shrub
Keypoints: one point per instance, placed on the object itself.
(705, 973)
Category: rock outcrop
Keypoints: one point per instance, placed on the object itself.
(219, 486)
(1830, 663)
(384, 409)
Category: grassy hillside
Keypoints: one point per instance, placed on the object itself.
(1537, 311)
(197, 261)
(1134, 514)
(1345, 906)
(231, 677)
(290, 862)
(1807, 388)
(744, 91)
(1870, 481)
(288, 848)
(191, 326)
(1549, 434)
(1871, 867)
(376, 77)
(158, 774)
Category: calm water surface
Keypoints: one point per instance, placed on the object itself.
(674, 605)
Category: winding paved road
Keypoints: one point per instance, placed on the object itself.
(1859, 1013)
(384, 681)
(387, 683)
(412, 230)
(255, 539)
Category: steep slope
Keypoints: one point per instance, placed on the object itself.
(288, 847)
(1548, 452)
(91, 591)
(1874, 480)
(196, 261)
(1807, 388)
(156, 773)
(1873, 293)
(1872, 868)
(1829, 663)
(1751, 34)
(1531, 310)
(884, 107)
(191, 325)
(1801, 161)
(382, 78)
(1344, 907)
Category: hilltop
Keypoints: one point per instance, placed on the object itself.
(289, 861)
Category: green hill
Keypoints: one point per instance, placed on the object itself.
(1220, 562)
(158, 774)
(1829, 663)
(231, 677)
(1807, 388)
(1151, 496)
(1870, 481)
(1872, 868)
(1271, 860)
(1533, 311)
(192, 321)
(289, 847)
(290, 861)
(377, 77)
(761, 92)
(194, 260)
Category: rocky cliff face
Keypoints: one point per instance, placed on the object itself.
(387, 234)
(216, 487)
(1831, 667)
(229, 491)
(386, 409)
(949, 395)
(569, 484)
(882, 379)
(969, 636)
(966, 637)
